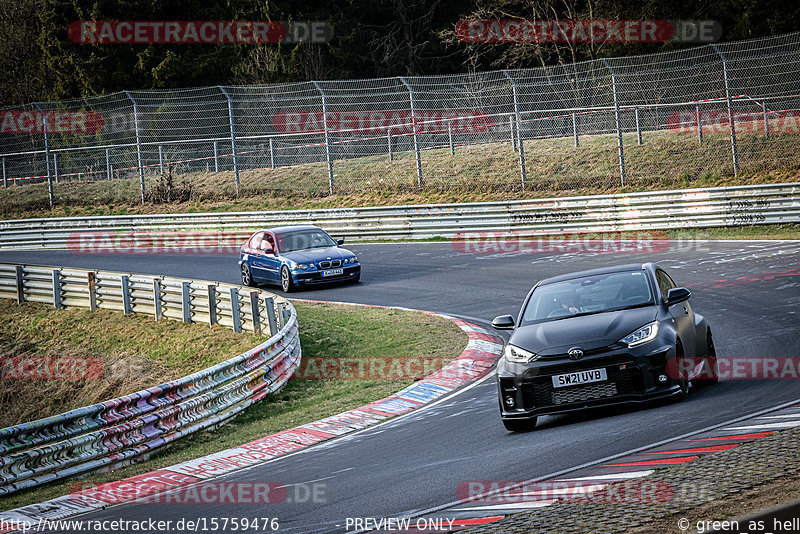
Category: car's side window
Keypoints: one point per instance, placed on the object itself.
(270, 240)
(255, 241)
(665, 283)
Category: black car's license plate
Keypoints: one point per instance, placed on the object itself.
(332, 272)
(579, 377)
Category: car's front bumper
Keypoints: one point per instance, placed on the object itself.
(316, 277)
(632, 378)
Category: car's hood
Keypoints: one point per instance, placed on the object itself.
(314, 255)
(587, 332)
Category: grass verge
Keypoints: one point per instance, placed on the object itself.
(326, 331)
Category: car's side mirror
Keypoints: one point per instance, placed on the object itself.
(503, 322)
(677, 295)
(340, 242)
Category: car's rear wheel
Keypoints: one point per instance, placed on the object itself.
(519, 425)
(287, 284)
(247, 277)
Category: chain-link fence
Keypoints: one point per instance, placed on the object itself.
(644, 121)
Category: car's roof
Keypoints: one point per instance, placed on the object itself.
(591, 272)
(291, 228)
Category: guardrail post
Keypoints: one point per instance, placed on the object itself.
(450, 137)
(511, 131)
(160, 159)
(91, 279)
(216, 156)
(328, 157)
(414, 128)
(55, 166)
(271, 154)
(618, 120)
(212, 304)
(158, 312)
(20, 284)
(138, 142)
(46, 128)
(699, 124)
(237, 318)
(284, 314)
(108, 164)
(389, 143)
(638, 129)
(232, 123)
(728, 98)
(575, 129)
(126, 294)
(269, 307)
(186, 302)
(256, 316)
(57, 289)
(523, 173)
(5, 180)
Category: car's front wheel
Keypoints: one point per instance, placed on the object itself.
(247, 277)
(287, 284)
(710, 373)
(520, 425)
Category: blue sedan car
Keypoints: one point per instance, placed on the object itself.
(295, 256)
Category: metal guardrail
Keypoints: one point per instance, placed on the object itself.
(116, 431)
(687, 208)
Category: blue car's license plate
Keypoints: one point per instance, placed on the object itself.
(332, 272)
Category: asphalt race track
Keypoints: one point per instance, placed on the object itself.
(748, 291)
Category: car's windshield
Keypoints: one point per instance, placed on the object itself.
(588, 295)
(302, 239)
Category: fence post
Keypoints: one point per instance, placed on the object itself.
(57, 289)
(138, 142)
(91, 279)
(216, 156)
(511, 131)
(55, 166)
(734, 149)
(108, 164)
(186, 302)
(271, 154)
(212, 304)
(255, 314)
(237, 318)
(47, 154)
(20, 284)
(699, 124)
(126, 295)
(389, 142)
(157, 309)
(766, 122)
(232, 123)
(269, 307)
(638, 129)
(414, 128)
(328, 157)
(523, 173)
(618, 119)
(5, 180)
(160, 159)
(575, 129)
(450, 137)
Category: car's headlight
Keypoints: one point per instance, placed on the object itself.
(518, 355)
(354, 259)
(641, 336)
(301, 267)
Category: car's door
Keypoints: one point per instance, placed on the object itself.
(255, 254)
(681, 313)
(271, 260)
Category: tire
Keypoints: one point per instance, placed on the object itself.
(711, 359)
(519, 425)
(287, 284)
(683, 382)
(247, 276)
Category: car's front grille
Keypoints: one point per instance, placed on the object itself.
(328, 264)
(539, 392)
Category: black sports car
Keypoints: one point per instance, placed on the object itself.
(601, 337)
